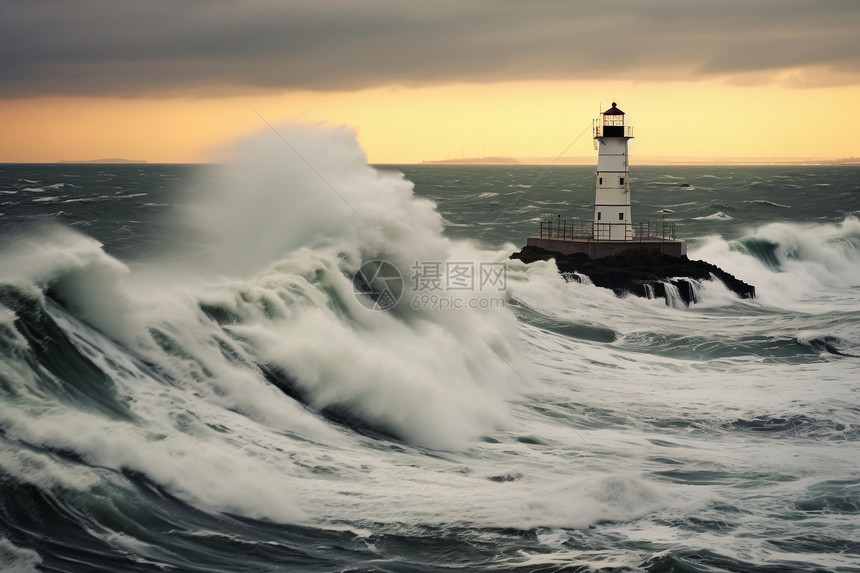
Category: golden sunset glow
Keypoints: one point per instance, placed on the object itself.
(399, 125)
(523, 81)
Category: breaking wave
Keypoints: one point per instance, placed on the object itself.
(787, 261)
(150, 371)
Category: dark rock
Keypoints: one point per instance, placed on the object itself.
(641, 274)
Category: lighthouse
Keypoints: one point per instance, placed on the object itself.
(612, 221)
(650, 263)
(610, 231)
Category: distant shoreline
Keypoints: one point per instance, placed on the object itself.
(110, 160)
(475, 161)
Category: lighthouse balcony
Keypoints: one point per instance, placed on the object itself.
(598, 240)
(588, 230)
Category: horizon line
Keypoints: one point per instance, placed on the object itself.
(643, 160)
(581, 160)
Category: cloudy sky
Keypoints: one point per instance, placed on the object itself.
(171, 80)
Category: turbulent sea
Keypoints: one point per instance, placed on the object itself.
(192, 378)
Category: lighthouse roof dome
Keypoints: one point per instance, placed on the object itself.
(613, 110)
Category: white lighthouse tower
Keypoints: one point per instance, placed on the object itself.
(612, 220)
(611, 231)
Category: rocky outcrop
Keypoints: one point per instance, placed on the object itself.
(641, 274)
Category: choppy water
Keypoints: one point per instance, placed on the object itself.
(189, 382)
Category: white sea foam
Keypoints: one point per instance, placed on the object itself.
(14, 559)
(434, 378)
(202, 468)
(718, 216)
(810, 258)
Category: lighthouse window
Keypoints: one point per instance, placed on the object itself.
(598, 215)
(620, 216)
(621, 180)
(600, 180)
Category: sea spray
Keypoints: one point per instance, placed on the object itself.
(790, 261)
(188, 353)
(306, 215)
(432, 377)
(312, 188)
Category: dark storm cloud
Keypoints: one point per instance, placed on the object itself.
(158, 47)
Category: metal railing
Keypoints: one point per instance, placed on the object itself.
(579, 229)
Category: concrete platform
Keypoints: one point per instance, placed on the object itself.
(599, 249)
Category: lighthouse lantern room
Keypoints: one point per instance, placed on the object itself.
(612, 220)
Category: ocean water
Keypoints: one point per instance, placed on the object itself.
(193, 379)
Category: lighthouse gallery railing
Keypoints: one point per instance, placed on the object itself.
(568, 230)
